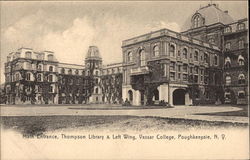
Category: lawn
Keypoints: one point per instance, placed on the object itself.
(33, 125)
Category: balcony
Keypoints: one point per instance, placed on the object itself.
(140, 70)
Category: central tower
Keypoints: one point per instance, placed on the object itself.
(93, 66)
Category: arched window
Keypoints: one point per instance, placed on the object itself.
(96, 90)
(70, 71)
(142, 57)
(241, 60)
(130, 95)
(228, 80)
(196, 21)
(215, 60)
(196, 54)
(83, 73)
(156, 51)
(39, 77)
(228, 46)
(184, 52)
(130, 57)
(51, 68)
(96, 73)
(28, 55)
(39, 67)
(241, 44)
(227, 62)
(172, 50)
(76, 72)
(62, 70)
(241, 94)
(241, 79)
(241, 26)
(50, 78)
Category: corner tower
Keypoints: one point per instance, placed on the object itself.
(93, 66)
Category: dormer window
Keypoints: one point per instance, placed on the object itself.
(28, 55)
(197, 21)
(241, 26)
(228, 29)
(241, 60)
(50, 57)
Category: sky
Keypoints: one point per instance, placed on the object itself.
(69, 28)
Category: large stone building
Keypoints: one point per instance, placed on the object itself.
(206, 63)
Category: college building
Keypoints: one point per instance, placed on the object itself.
(207, 63)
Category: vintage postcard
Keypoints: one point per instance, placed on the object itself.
(124, 80)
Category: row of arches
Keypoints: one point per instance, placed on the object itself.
(241, 61)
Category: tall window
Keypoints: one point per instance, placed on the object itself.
(228, 80)
(241, 79)
(50, 78)
(39, 67)
(156, 51)
(28, 55)
(196, 70)
(172, 76)
(51, 68)
(185, 68)
(28, 75)
(96, 90)
(241, 44)
(172, 50)
(96, 73)
(215, 60)
(70, 71)
(228, 29)
(50, 89)
(241, 26)
(17, 76)
(142, 57)
(206, 58)
(227, 62)
(39, 77)
(184, 52)
(62, 70)
(196, 55)
(228, 46)
(130, 56)
(172, 66)
(241, 60)
(196, 21)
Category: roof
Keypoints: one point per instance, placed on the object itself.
(93, 52)
(212, 14)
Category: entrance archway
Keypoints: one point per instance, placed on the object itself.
(179, 97)
(156, 94)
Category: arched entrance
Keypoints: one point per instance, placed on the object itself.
(156, 95)
(130, 96)
(179, 97)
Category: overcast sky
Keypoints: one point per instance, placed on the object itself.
(68, 28)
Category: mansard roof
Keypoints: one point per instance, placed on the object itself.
(211, 14)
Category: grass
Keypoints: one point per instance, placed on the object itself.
(35, 125)
(240, 113)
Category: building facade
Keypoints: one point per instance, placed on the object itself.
(206, 63)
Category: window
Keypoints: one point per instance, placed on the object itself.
(28, 76)
(142, 57)
(70, 71)
(196, 22)
(96, 99)
(50, 78)
(211, 40)
(172, 66)
(96, 81)
(184, 52)
(196, 70)
(228, 29)
(179, 68)
(39, 89)
(29, 65)
(96, 90)
(130, 57)
(228, 46)
(191, 56)
(228, 80)
(241, 79)
(196, 79)
(62, 70)
(17, 76)
(185, 77)
(165, 70)
(39, 67)
(28, 55)
(196, 55)
(96, 73)
(51, 68)
(172, 76)
(191, 70)
(241, 26)
(241, 44)
(76, 72)
(156, 51)
(39, 56)
(83, 73)
(179, 75)
(185, 68)
(241, 60)
(215, 60)
(51, 89)
(241, 94)
(227, 62)
(172, 50)
(39, 77)
(206, 58)
(50, 57)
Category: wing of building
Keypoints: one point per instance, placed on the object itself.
(206, 63)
